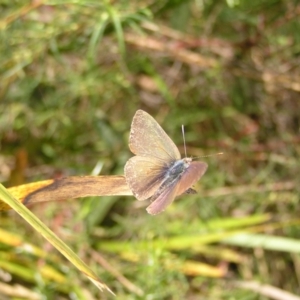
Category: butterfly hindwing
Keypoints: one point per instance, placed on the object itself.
(163, 200)
(144, 176)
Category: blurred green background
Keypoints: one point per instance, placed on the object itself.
(72, 75)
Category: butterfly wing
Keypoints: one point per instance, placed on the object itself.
(163, 200)
(144, 176)
(148, 139)
(155, 152)
(190, 176)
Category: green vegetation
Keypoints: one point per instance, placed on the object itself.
(72, 75)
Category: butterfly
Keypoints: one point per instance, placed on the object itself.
(157, 171)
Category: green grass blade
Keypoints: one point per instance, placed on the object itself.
(40, 227)
(267, 242)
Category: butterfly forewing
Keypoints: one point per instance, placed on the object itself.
(190, 176)
(147, 138)
(144, 176)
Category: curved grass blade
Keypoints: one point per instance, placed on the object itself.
(40, 227)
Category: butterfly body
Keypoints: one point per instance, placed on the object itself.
(157, 171)
(173, 174)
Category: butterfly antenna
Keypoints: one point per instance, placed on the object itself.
(182, 127)
(209, 155)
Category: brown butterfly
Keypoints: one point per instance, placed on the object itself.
(157, 171)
